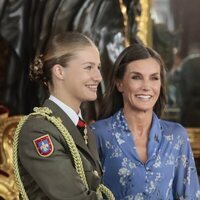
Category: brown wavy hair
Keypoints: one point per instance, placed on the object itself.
(112, 99)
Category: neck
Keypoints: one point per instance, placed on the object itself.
(68, 101)
(139, 122)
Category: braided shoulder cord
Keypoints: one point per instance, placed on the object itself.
(15, 163)
(44, 111)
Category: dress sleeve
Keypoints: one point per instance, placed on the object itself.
(186, 182)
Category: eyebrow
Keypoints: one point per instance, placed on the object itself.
(138, 73)
(91, 63)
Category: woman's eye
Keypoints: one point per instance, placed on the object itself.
(155, 78)
(89, 67)
(136, 77)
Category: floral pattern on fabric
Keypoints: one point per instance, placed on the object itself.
(169, 172)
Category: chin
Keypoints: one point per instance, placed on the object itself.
(92, 98)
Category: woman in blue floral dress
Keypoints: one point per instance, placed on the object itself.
(143, 156)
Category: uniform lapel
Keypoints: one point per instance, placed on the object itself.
(73, 130)
(93, 149)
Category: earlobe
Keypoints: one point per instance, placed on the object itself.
(119, 86)
(58, 71)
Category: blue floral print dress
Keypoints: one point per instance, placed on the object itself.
(169, 172)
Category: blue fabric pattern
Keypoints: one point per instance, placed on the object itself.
(168, 174)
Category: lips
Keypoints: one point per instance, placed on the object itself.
(92, 87)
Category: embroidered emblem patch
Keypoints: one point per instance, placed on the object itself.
(44, 145)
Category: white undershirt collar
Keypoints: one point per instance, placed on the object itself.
(69, 111)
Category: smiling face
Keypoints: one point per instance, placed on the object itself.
(82, 76)
(141, 83)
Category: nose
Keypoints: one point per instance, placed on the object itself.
(145, 85)
(97, 76)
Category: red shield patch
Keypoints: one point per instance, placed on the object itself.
(44, 145)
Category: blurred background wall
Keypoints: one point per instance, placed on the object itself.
(27, 25)
(169, 26)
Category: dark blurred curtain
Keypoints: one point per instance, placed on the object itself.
(27, 25)
(187, 19)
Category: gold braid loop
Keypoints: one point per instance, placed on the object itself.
(45, 112)
(103, 189)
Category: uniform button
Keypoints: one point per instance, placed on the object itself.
(95, 173)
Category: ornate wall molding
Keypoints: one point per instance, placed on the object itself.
(8, 188)
(125, 22)
(144, 23)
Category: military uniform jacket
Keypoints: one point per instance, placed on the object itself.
(54, 176)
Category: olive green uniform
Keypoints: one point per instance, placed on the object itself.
(54, 177)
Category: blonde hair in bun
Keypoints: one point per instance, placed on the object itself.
(59, 50)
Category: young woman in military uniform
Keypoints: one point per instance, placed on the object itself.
(52, 159)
